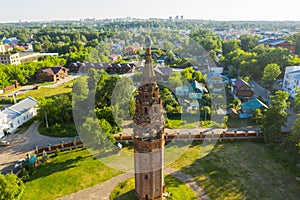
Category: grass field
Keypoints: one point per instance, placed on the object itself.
(240, 170)
(71, 171)
(47, 92)
(178, 190)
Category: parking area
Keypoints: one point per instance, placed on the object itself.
(21, 144)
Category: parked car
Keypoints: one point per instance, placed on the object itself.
(4, 143)
(19, 162)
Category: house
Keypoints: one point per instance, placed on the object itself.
(277, 43)
(130, 51)
(193, 91)
(51, 74)
(84, 67)
(250, 106)
(10, 59)
(113, 57)
(291, 80)
(121, 68)
(20, 113)
(242, 90)
(3, 122)
(163, 73)
(216, 81)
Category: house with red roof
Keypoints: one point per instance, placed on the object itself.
(242, 90)
(51, 74)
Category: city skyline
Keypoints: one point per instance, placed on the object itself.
(230, 10)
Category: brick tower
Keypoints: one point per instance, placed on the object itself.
(148, 135)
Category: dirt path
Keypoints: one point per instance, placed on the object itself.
(103, 191)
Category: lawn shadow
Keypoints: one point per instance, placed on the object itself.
(51, 167)
(127, 196)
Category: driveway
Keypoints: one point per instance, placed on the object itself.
(21, 144)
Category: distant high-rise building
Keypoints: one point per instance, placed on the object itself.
(181, 17)
(176, 18)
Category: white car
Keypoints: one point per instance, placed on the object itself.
(4, 143)
(19, 162)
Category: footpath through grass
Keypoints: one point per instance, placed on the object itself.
(67, 173)
(177, 189)
(240, 170)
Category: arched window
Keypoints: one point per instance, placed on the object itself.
(146, 197)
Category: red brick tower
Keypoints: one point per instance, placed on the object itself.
(149, 135)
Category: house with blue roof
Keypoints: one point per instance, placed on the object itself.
(19, 113)
(194, 91)
(250, 106)
(216, 81)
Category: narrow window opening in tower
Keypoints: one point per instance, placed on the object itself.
(146, 197)
(154, 95)
(146, 110)
(146, 177)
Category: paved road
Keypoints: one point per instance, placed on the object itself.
(21, 144)
(103, 191)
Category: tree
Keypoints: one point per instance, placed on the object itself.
(271, 73)
(258, 116)
(101, 137)
(11, 187)
(229, 46)
(248, 42)
(275, 116)
(175, 80)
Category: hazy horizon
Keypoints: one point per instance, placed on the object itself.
(218, 10)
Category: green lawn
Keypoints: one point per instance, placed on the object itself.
(70, 172)
(177, 189)
(47, 92)
(64, 130)
(239, 170)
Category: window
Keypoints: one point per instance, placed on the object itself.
(146, 177)
(146, 110)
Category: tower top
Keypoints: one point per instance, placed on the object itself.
(148, 73)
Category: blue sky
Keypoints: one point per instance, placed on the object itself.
(35, 10)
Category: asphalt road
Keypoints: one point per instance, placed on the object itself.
(21, 144)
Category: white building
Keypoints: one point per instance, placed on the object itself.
(10, 59)
(291, 80)
(19, 113)
(3, 122)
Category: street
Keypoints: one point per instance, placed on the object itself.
(21, 144)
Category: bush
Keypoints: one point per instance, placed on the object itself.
(57, 152)
(24, 175)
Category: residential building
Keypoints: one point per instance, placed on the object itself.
(3, 122)
(29, 56)
(121, 68)
(19, 113)
(291, 80)
(276, 43)
(162, 73)
(2, 48)
(10, 59)
(242, 90)
(250, 106)
(51, 74)
(194, 91)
